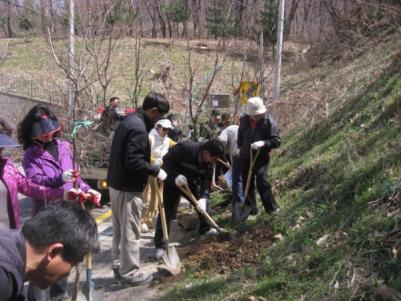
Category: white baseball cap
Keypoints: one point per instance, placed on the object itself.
(164, 123)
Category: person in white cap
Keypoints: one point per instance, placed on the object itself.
(257, 131)
(159, 141)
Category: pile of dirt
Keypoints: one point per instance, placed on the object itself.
(243, 249)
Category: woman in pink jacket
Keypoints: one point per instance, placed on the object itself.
(13, 182)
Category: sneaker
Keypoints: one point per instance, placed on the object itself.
(275, 211)
(137, 278)
(159, 253)
(211, 232)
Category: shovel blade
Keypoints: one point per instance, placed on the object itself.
(92, 295)
(172, 260)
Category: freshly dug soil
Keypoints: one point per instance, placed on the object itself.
(243, 249)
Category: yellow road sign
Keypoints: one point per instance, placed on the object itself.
(248, 90)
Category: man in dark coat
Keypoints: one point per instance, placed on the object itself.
(46, 249)
(110, 118)
(257, 132)
(128, 173)
(188, 163)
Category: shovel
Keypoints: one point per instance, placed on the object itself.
(187, 191)
(170, 256)
(246, 209)
(90, 293)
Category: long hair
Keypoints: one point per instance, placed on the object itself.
(25, 127)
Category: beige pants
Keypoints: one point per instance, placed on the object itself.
(127, 210)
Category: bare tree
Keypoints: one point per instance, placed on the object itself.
(198, 88)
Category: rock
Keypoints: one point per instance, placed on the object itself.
(322, 240)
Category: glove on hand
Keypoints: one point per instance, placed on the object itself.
(162, 175)
(181, 180)
(201, 205)
(70, 175)
(95, 197)
(71, 194)
(258, 144)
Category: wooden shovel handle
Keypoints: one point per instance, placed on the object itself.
(187, 191)
(251, 164)
(159, 191)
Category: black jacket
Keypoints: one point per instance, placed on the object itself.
(129, 165)
(12, 265)
(265, 130)
(184, 159)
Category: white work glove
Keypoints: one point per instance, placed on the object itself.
(162, 175)
(71, 194)
(157, 162)
(70, 175)
(95, 197)
(201, 207)
(181, 180)
(258, 144)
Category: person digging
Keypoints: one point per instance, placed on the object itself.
(257, 136)
(188, 163)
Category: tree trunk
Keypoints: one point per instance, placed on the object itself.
(9, 33)
(161, 21)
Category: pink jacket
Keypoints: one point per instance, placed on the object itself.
(16, 182)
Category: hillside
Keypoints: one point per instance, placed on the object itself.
(338, 182)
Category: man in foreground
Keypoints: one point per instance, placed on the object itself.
(128, 174)
(46, 249)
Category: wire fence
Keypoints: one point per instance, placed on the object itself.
(44, 90)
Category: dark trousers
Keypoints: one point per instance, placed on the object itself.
(262, 185)
(55, 292)
(171, 196)
(237, 183)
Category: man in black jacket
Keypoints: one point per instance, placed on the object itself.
(46, 249)
(257, 132)
(188, 163)
(110, 119)
(128, 173)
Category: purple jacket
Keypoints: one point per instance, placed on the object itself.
(16, 182)
(43, 169)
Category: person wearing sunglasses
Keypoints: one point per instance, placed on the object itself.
(48, 160)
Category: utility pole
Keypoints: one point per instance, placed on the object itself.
(70, 83)
(279, 50)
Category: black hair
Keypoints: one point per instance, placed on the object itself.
(216, 112)
(225, 116)
(26, 125)
(113, 99)
(156, 100)
(172, 117)
(6, 127)
(66, 223)
(214, 147)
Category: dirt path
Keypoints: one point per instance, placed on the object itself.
(103, 275)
